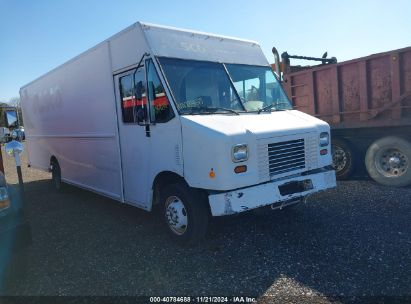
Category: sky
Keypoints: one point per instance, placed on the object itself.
(36, 36)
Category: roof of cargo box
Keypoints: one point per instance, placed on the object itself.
(173, 42)
(187, 44)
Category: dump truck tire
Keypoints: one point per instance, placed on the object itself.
(343, 158)
(388, 161)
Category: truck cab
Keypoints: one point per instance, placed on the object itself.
(239, 141)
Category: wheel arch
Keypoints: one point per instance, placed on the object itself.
(169, 177)
(161, 179)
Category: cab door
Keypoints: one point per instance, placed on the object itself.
(131, 99)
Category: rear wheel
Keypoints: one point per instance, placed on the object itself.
(343, 161)
(185, 213)
(56, 175)
(388, 161)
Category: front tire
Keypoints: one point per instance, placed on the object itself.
(388, 161)
(185, 213)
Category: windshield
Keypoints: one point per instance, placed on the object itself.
(258, 88)
(202, 87)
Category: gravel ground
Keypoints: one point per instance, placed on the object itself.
(347, 243)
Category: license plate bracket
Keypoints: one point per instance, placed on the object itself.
(295, 187)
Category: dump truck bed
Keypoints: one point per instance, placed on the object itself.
(372, 91)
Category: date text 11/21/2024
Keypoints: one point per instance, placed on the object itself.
(203, 299)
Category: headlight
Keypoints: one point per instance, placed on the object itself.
(4, 198)
(324, 139)
(239, 153)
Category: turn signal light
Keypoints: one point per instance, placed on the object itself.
(211, 174)
(240, 169)
(323, 151)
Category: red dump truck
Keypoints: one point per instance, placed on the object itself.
(367, 102)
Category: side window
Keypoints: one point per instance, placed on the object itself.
(127, 96)
(133, 96)
(161, 110)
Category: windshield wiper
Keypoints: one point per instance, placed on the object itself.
(222, 109)
(265, 108)
(206, 110)
(270, 106)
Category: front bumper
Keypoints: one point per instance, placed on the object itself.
(231, 202)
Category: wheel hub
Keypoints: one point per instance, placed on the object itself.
(392, 162)
(176, 215)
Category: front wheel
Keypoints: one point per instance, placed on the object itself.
(388, 161)
(185, 213)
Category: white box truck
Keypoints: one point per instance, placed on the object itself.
(193, 122)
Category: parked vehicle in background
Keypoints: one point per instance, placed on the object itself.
(192, 122)
(15, 131)
(5, 134)
(367, 102)
(15, 235)
(18, 134)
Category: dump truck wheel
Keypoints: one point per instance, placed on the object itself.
(343, 161)
(185, 213)
(388, 161)
(56, 175)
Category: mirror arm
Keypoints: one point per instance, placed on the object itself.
(140, 63)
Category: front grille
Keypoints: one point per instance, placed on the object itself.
(286, 156)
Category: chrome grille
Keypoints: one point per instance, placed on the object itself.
(286, 156)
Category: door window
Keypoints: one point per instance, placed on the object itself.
(133, 95)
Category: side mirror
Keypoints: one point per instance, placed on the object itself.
(11, 119)
(14, 147)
